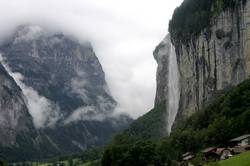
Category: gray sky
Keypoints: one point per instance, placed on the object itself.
(123, 33)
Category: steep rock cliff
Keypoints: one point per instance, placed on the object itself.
(14, 116)
(218, 59)
(211, 62)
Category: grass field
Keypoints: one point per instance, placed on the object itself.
(85, 164)
(239, 160)
(74, 162)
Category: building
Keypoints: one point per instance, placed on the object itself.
(241, 141)
(224, 153)
(210, 154)
(239, 149)
(209, 150)
(240, 144)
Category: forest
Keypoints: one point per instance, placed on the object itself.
(194, 16)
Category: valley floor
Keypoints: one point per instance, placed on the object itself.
(70, 162)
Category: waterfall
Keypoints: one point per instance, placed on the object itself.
(173, 89)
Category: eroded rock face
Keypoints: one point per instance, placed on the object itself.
(217, 59)
(66, 96)
(14, 115)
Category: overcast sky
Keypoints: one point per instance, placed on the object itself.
(123, 33)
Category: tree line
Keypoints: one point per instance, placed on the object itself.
(194, 16)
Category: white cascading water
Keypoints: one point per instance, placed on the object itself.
(173, 89)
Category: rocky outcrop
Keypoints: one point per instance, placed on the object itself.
(217, 59)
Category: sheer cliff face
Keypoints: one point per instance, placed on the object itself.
(215, 60)
(14, 115)
(67, 107)
(219, 58)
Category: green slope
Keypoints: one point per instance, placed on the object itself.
(152, 125)
(239, 160)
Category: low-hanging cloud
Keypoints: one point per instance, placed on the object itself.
(102, 111)
(43, 112)
(78, 87)
(123, 33)
(89, 113)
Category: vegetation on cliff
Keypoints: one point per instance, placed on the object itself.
(227, 117)
(150, 126)
(194, 16)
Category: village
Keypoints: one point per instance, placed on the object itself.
(231, 148)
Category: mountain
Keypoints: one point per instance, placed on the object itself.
(62, 92)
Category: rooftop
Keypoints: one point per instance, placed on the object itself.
(208, 149)
(189, 157)
(220, 150)
(186, 154)
(240, 138)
